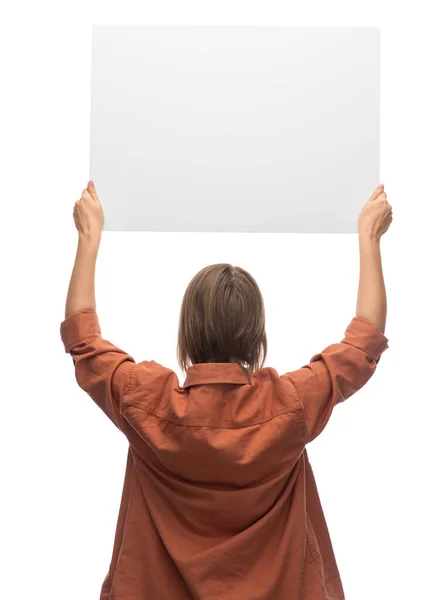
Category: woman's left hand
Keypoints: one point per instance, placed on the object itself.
(88, 213)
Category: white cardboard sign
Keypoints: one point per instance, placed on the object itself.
(235, 128)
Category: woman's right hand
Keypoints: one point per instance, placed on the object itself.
(376, 215)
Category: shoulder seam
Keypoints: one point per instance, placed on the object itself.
(131, 380)
(300, 407)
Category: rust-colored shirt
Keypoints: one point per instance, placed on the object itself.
(219, 499)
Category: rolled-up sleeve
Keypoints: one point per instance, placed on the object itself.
(336, 373)
(102, 370)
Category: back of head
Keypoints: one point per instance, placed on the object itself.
(222, 319)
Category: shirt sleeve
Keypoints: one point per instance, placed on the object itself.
(336, 373)
(102, 370)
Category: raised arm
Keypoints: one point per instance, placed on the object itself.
(103, 370)
(374, 220)
(343, 368)
(89, 220)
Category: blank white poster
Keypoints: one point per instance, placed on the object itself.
(235, 128)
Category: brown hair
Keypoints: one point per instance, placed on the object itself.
(222, 319)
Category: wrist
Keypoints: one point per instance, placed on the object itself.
(92, 239)
(369, 238)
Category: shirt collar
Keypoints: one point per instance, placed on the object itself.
(203, 373)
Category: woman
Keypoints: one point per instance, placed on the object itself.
(219, 499)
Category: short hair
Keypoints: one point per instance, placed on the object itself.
(222, 319)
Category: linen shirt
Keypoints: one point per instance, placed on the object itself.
(219, 499)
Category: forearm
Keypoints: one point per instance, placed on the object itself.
(81, 291)
(372, 297)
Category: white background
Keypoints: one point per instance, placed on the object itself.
(62, 460)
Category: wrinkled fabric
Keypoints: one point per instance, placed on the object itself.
(219, 499)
